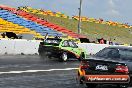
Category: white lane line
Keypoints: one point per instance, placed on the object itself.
(31, 71)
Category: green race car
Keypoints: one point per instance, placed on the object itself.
(63, 49)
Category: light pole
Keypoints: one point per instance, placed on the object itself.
(79, 22)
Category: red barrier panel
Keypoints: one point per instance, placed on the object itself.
(41, 21)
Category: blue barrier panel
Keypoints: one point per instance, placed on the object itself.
(4, 14)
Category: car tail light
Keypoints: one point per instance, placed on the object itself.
(84, 65)
(121, 69)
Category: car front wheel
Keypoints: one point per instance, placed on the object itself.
(64, 57)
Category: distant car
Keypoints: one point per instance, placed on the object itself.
(112, 65)
(63, 49)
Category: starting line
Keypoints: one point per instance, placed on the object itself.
(32, 71)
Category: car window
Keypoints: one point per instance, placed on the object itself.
(65, 44)
(103, 53)
(72, 44)
(108, 53)
(52, 42)
(114, 53)
(125, 54)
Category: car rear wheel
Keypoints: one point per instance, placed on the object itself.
(64, 57)
(80, 80)
(42, 54)
(130, 84)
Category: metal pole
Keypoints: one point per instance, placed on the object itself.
(79, 22)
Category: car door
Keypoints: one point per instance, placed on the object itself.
(74, 48)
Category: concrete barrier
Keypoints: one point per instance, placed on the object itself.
(7, 46)
(18, 46)
(21, 46)
(26, 47)
(92, 48)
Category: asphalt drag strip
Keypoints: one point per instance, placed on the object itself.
(33, 72)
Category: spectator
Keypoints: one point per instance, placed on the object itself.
(110, 43)
(114, 42)
(101, 41)
(107, 42)
(3, 35)
(100, 20)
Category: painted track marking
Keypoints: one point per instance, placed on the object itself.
(32, 71)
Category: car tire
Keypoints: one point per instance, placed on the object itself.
(81, 56)
(126, 85)
(122, 86)
(89, 85)
(80, 80)
(63, 57)
(42, 54)
(130, 84)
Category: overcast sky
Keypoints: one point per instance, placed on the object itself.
(115, 10)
